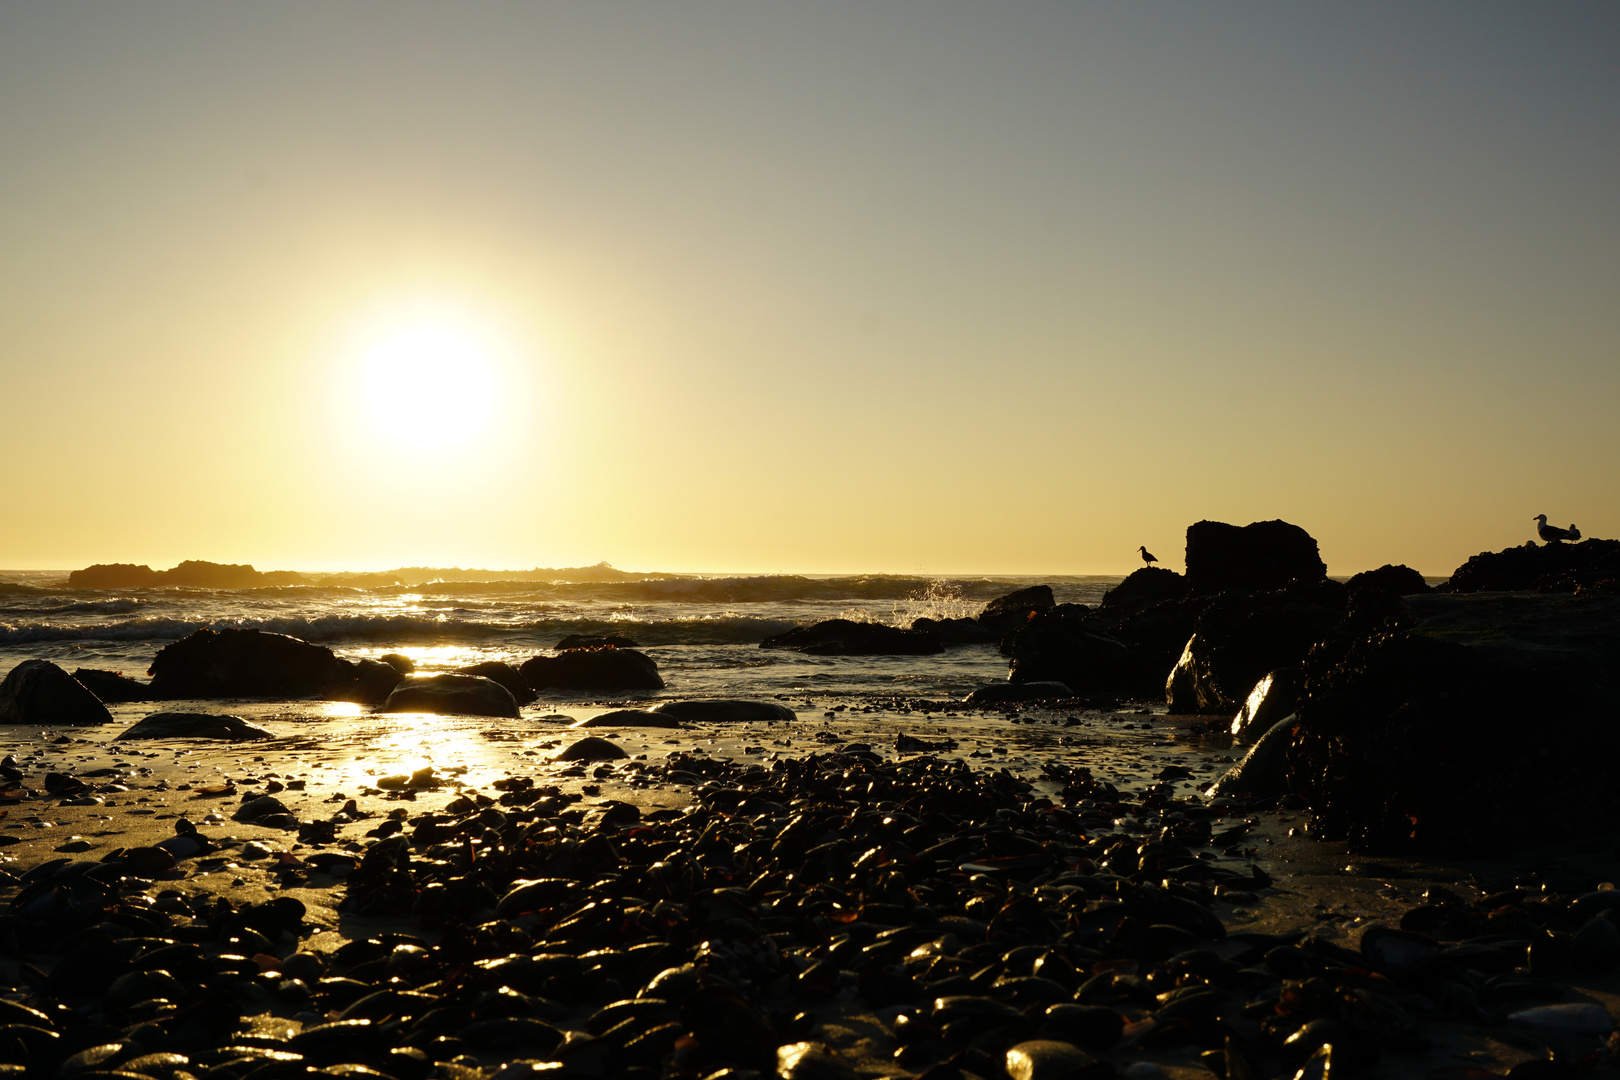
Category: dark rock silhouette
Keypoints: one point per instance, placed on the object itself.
(1064, 646)
(112, 686)
(452, 695)
(593, 669)
(845, 637)
(1144, 588)
(113, 576)
(1591, 565)
(629, 718)
(399, 662)
(1400, 580)
(1240, 637)
(505, 674)
(1470, 725)
(247, 663)
(1257, 557)
(39, 692)
(184, 725)
(1275, 696)
(1007, 613)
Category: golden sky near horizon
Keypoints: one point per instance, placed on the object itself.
(910, 287)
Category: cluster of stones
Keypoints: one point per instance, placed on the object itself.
(995, 932)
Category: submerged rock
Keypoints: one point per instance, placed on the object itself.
(593, 669)
(184, 725)
(39, 692)
(724, 710)
(452, 695)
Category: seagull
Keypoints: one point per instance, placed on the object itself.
(1573, 532)
(1147, 556)
(1549, 533)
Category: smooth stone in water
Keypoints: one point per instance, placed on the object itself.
(591, 748)
(724, 710)
(184, 725)
(630, 718)
(452, 695)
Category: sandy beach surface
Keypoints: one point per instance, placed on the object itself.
(331, 760)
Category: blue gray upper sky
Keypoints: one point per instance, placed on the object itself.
(898, 287)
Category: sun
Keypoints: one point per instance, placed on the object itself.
(430, 382)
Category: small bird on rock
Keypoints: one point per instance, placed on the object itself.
(1147, 556)
(1572, 532)
(1550, 533)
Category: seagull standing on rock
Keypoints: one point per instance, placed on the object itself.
(1147, 556)
(1572, 532)
(1551, 533)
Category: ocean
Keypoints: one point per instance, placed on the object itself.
(703, 631)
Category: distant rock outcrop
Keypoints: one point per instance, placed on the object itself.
(1400, 580)
(114, 576)
(192, 574)
(39, 692)
(1261, 556)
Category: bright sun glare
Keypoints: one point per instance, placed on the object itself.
(430, 382)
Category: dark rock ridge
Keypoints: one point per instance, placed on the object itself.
(192, 573)
(845, 637)
(1591, 565)
(1144, 588)
(1470, 724)
(452, 695)
(593, 669)
(1256, 557)
(252, 663)
(39, 692)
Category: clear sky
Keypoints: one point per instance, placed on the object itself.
(749, 286)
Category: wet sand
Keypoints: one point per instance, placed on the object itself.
(328, 754)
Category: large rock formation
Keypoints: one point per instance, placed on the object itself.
(593, 669)
(39, 692)
(845, 637)
(247, 663)
(1240, 637)
(1475, 723)
(1591, 565)
(1257, 557)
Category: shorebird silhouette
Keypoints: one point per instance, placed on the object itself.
(1147, 556)
(1572, 532)
(1551, 533)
